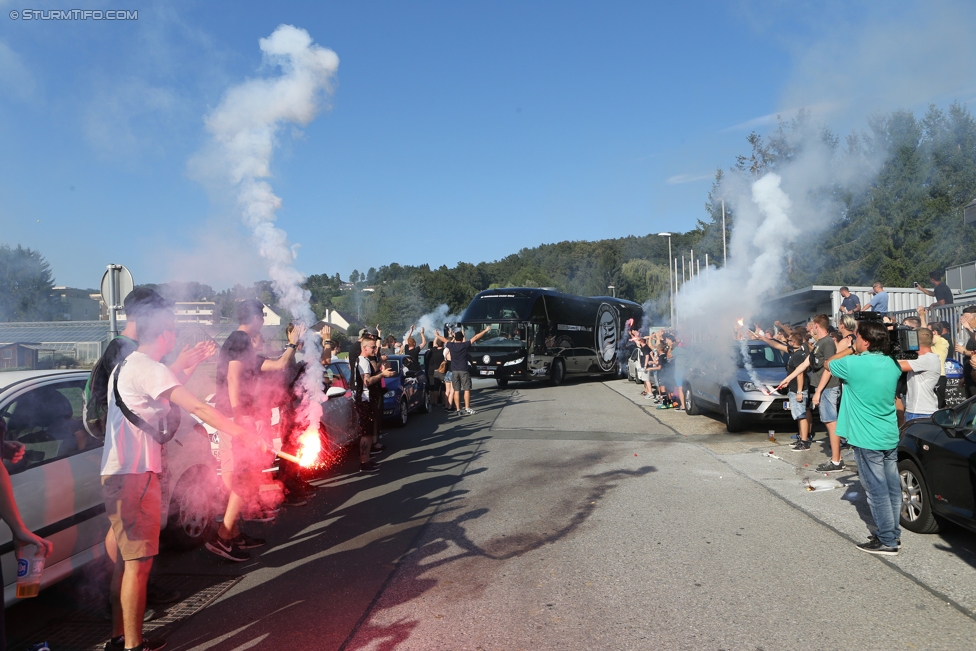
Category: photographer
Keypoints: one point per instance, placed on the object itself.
(867, 420)
(921, 399)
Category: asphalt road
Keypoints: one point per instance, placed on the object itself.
(577, 517)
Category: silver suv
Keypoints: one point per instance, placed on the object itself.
(748, 397)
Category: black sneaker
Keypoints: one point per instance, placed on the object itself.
(368, 467)
(148, 645)
(874, 538)
(226, 549)
(800, 446)
(296, 499)
(876, 547)
(830, 466)
(115, 644)
(244, 541)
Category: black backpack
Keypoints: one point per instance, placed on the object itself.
(171, 423)
(95, 410)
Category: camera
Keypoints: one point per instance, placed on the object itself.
(902, 340)
(915, 284)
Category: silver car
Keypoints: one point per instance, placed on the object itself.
(57, 484)
(748, 397)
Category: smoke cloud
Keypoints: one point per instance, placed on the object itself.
(244, 129)
(435, 320)
(774, 213)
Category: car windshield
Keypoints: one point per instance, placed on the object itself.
(760, 357)
(500, 336)
(394, 364)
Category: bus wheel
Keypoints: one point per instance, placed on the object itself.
(558, 372)
(502, 382)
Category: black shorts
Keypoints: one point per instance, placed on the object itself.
(366, 414)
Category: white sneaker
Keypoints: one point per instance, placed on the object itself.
(469, 412)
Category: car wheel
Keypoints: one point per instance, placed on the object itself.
(558, 372)
(404, 414)
(916, 503)
(502, 382)
(691, 407)
(192, 515)
(733, 420)
(425, 403)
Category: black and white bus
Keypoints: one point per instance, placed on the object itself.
(542, 334)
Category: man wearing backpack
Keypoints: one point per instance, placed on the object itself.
(141, 395)
(96, 391)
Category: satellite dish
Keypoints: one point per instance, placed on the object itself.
(123, 284)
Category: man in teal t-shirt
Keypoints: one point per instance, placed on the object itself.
(867, 420)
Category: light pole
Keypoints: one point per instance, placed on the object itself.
(725, 255)
(670, 278)
(613, 290)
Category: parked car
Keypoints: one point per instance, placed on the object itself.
(633, 366)
(937, 464)
(406, 391)
(745, 397)
(57, 484)
(339, 417)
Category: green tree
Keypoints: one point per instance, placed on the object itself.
(25, 285)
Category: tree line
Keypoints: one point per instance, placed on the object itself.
(905, 223)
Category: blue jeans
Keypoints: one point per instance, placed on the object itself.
(909, 415)
(878, 471)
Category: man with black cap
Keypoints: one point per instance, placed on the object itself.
(367, 379)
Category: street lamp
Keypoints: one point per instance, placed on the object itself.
(613, 290)
(670, 279)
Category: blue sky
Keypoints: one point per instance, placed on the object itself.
(457, 131)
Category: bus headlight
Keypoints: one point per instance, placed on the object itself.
(514, 362)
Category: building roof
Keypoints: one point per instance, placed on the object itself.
(54, 331)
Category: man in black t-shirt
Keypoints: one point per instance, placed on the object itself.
(460, 376)
(238, 366)
(941, 291)
(435, 379)
(797, 392)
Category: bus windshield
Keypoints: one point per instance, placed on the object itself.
(499, 306)
(500, 337)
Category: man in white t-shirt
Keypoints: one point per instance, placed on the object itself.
(923, 376)
(132, 461)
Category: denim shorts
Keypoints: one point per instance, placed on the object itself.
(798, 404)
(828, 404)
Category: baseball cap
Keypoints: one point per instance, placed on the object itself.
(369, 332)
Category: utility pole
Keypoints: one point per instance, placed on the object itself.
(725, 255)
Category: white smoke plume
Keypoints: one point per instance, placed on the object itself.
(435, 320)
(773, 214)
(244, 129)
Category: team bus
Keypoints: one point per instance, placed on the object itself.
(542, 334)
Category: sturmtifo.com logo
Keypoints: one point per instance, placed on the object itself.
(74, 14)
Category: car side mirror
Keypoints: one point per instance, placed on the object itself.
(335, 392)
(946, 418)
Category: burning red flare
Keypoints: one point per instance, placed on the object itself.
(309, 448)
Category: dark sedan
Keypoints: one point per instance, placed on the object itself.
(406, 391)
(937, 464)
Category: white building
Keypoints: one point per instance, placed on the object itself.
(202, 312)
